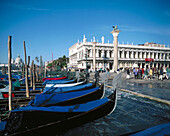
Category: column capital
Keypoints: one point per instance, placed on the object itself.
(94, 43)
(115, 32)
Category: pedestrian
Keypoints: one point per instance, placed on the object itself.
(142, 73)
(150, 73)
(108, 71)
(136, 73)
(161, 74)
(146, 74)
(165, 73)
(128, 73)
(168, 72)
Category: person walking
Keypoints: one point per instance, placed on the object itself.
(146, 74)
(150, 73)
(142, 73)
(128, 73)
(136, 73)
(161, 74)
(165, 73)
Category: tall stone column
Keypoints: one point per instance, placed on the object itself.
(115, 34)
(94, 55)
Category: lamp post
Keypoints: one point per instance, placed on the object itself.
(165, 58)
(86, 52)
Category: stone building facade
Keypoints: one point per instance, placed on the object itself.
(128, 55)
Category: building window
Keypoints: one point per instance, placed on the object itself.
(110, 54)
(88, 53)
(158, 55)
(134, 54)
(138, 55)
(162, 55)
(130, 54)
(120, 54)
(147, 54)
(125, 54)
(105, 54)
(100, 53)
(154, 56)
(142, 55)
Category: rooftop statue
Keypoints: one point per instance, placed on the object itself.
(115, 27)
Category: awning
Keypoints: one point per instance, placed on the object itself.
(149, 59)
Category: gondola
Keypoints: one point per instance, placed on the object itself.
(56, 119)
(59, 81)
(67, 98)
(68, 89)
(53, 78)
(65, 85)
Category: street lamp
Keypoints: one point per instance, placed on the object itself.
(86, 53)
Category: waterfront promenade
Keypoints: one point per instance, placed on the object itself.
(152, 88)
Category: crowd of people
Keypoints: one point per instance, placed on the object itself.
(149, 73)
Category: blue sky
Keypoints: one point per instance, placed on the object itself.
(55, 25)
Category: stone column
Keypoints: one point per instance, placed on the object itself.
(108, 55)
(123, 54)
(141, 55)
(94, 55)
(97, 53)
(149, 56)
(145, 54)
(115, 34)
(132, 55)
(118, 54)
(136, 56)
(127, 55)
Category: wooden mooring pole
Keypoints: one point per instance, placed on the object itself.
(31, 84)
(9, 73)
(33, 71)
(26, 72)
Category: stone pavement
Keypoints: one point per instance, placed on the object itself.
(132, 79)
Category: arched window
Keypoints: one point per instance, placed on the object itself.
(110, 53)
(134, 54)
(100, 53)
(105, 54)
(120, 54)
(125, 53)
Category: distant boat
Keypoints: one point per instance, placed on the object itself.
(55, 119)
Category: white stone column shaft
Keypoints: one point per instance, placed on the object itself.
(115, 34)
(94, 55)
